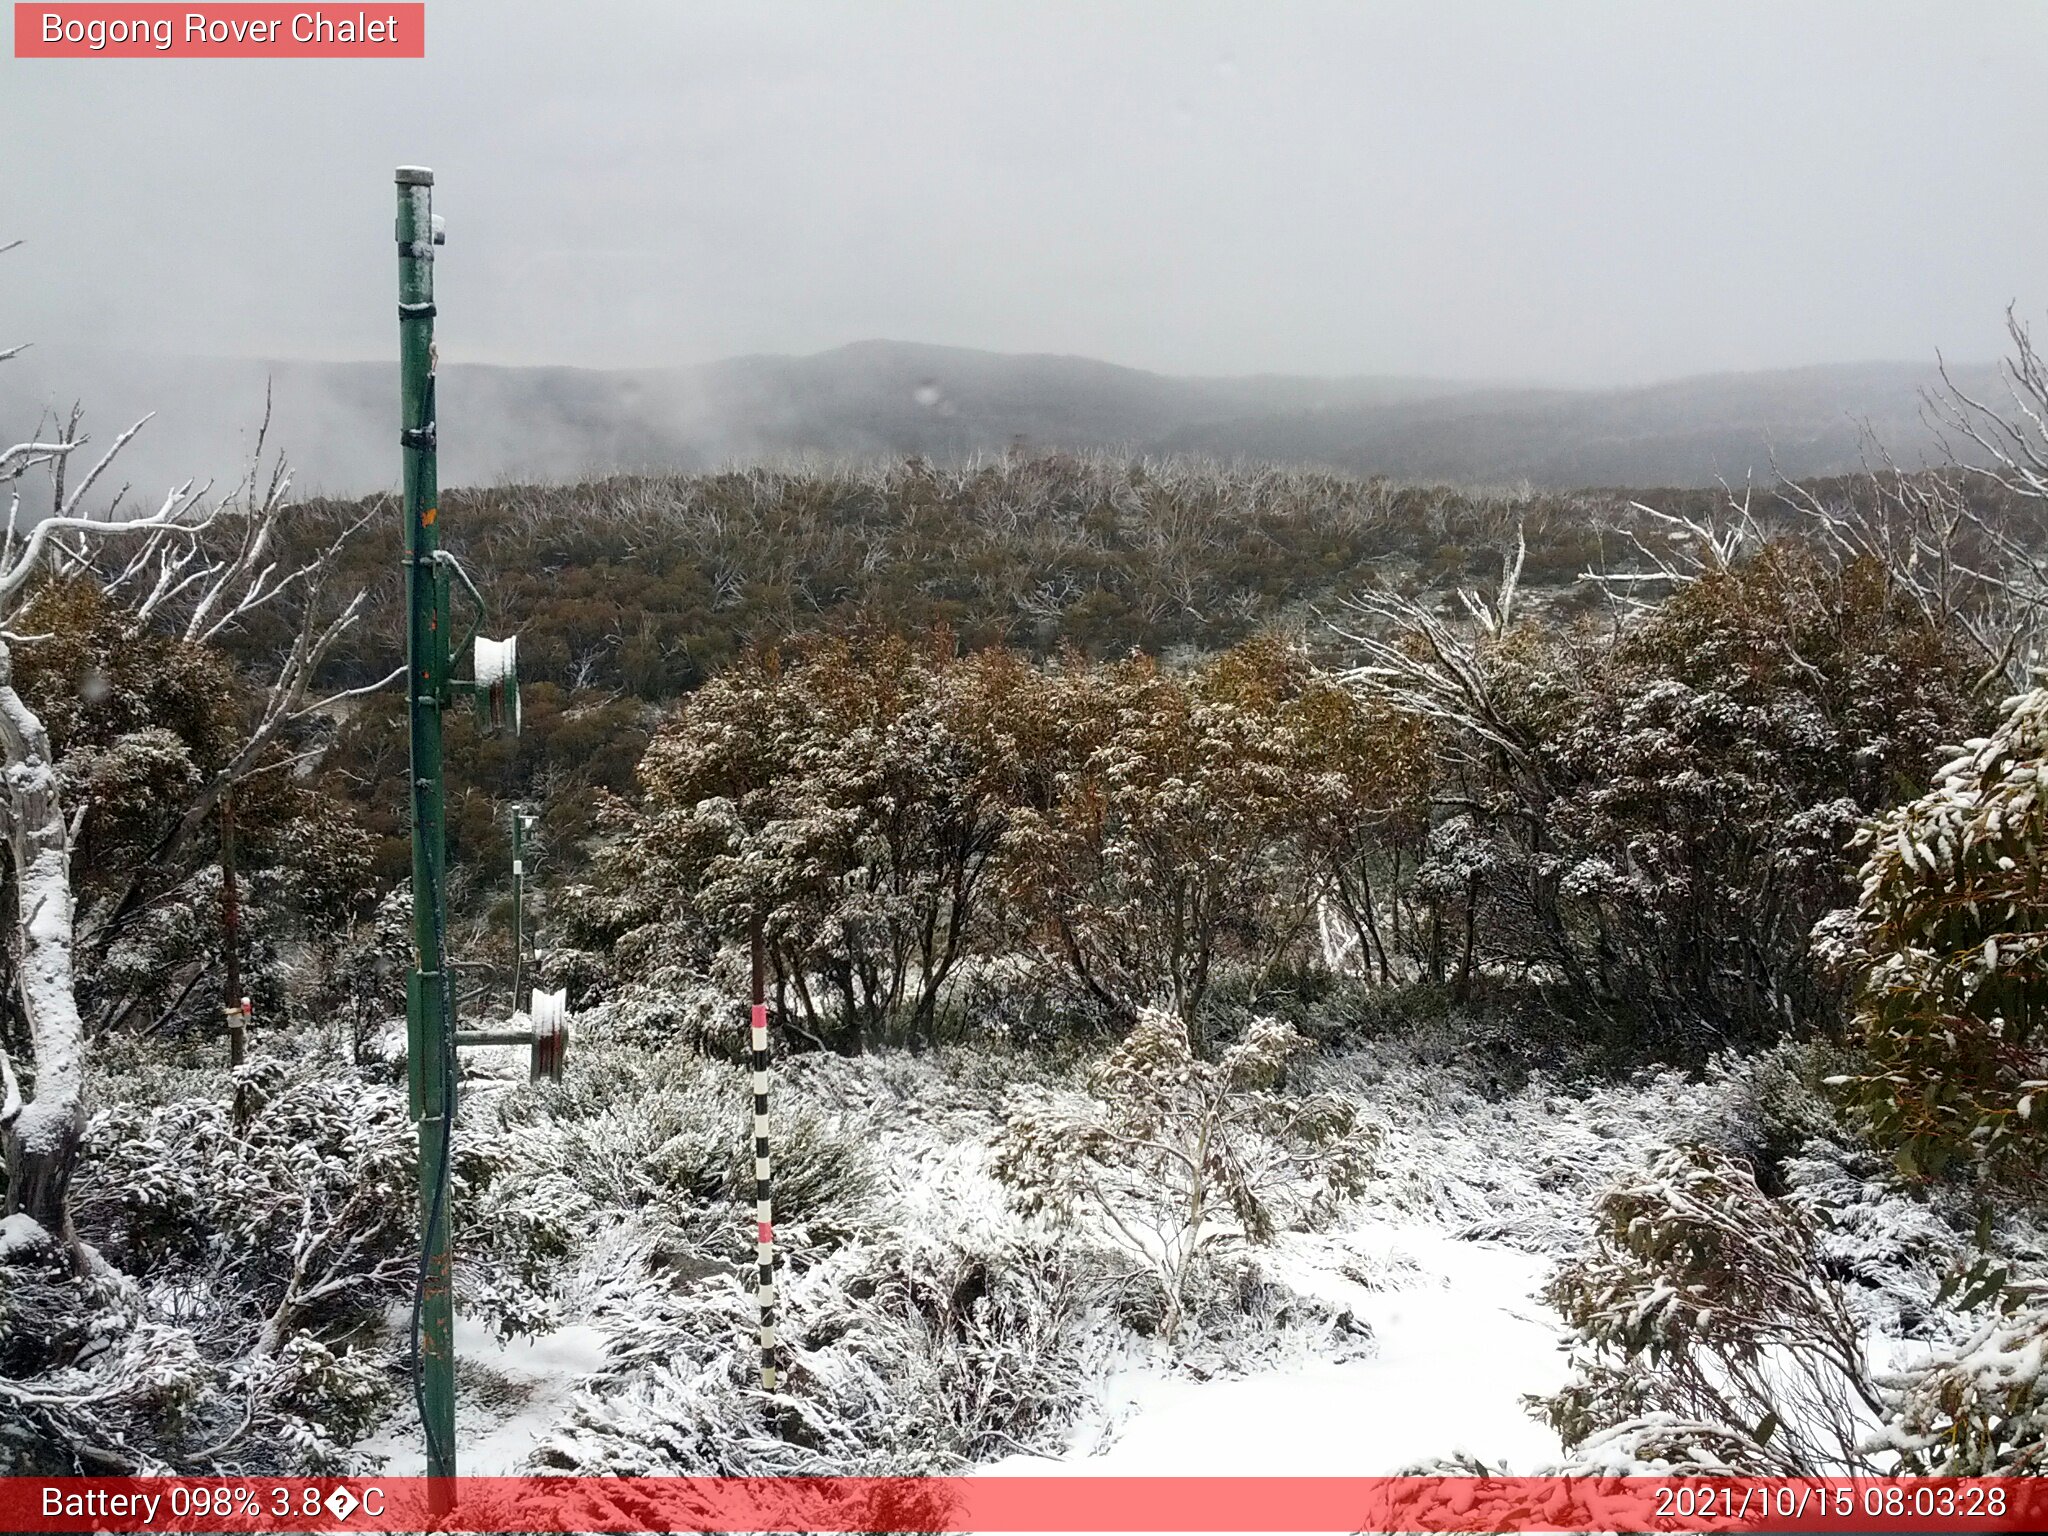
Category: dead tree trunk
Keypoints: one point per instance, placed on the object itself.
(42, 1137)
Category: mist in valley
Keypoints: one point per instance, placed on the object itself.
(1371, 237)
(877, 401)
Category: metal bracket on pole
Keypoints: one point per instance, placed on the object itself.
(546, 1036)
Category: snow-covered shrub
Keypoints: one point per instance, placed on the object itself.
(1768, 1105)
(1946, 941)
(92, 1377)
(1979, 1411)
(1243, 1319)
(303, 1216)
(1891, 1249)
(914, 1355)
(997, 1331)
(1176, 1154)
(1889, 1246)
(674, 1131)
(1653, 820)
(43, 1315)
(1707, 1327)
(309, 1402)
(658, 1141)
(674, 1006)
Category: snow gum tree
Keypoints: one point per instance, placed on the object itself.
(141, 724)
(1360, 782)
(1160, 838)
(1948, 945)
(854, 793)
(42, 1137)
(155, 729)
(1119, 830)
(1652, 818)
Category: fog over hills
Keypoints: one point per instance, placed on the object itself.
(878, 399)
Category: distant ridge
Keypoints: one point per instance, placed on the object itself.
(887, 399)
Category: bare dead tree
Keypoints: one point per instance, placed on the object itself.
(1495, 615)
(2012, 437)
(173, 574)
(202, 589)
(1966, 574)
(1414, 660)
(42, 1138)
(1674, 550)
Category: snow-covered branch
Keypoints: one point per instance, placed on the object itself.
(169, 518)
(1416, 662)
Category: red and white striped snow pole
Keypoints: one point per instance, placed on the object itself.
(764, 1201)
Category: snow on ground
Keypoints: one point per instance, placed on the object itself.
(508, 1395)
(1477, 1197)
(1477, 1194)
(1459, 1338)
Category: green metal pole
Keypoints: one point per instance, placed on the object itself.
(430, 1005)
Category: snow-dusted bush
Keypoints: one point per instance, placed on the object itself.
(1896, 1253)
(1767, 1106)
(1177, 1154)
(309, 1402)
(1981, 1410)
(302, 1215)
(1948, 940)
(250, 1256)
(914, 1354)
(1708, 1331)
(671, 1130)
(1167, 826)
(656, 1141)
(997, 1330)
(1718, 1327)
(92, 1378)
(663, 1007)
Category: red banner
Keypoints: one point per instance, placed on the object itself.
(1051, 1504)
(362, 31)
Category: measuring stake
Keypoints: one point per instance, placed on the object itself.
(764, 1201)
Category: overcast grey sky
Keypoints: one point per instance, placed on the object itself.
(1570, 192)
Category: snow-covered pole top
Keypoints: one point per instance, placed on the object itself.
(414, 176)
